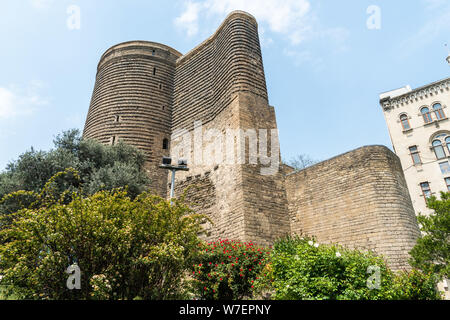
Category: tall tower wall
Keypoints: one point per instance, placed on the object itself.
(222, 84)
(132, 101)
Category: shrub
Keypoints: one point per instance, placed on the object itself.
(227, 269)
(125, 248)
(301, 269)
(415, 285)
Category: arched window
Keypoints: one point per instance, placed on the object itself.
(447, 142)
(426, 114)
(405, 122)
(438, 149)
(437, 108)
(166, 144)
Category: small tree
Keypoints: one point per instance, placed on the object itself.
(125, 248)
(301, 162)
(100, 167)
(432, 251)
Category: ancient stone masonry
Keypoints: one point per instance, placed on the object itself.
(359, 199)
(151, 96)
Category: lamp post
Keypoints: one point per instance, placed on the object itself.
(167, 164)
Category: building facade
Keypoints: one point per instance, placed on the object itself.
(420, 133)
(419, 127)
(166, 103)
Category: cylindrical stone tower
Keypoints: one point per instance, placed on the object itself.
(132, 101)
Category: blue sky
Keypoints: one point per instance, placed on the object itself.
(324, 67)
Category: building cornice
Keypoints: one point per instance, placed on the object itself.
(412, 96)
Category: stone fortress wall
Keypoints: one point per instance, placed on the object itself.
(358, 199)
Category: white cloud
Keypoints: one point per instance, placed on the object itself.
(41, 4)
(189, 18)
(18, 102)
(288, 17)
(294, 20)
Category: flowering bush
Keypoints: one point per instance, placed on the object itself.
(124, 248)
(302, 269)
(227, 269)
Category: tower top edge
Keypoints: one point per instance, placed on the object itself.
(143, 44)
(232, 15)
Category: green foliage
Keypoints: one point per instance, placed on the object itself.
(300, 269)
(415, 285)
(432, 251)
(227, 269)
(100, 168)
(125, 248)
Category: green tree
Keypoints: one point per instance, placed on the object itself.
(126, 248)
(432, 251)
(100, 167)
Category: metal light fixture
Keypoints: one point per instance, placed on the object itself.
(167, 164)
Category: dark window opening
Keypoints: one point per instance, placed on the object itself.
(166, 144)
(117, 118)
(154, 71)
(153, 52)
(160, 86)
(113, 141)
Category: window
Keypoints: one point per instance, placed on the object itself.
(447, 182)
(415, 155)
(437, 108)
(426, 191)
(166, 144)
(154, 71)
(116, 118)
(447, 142)
(426, 115)
(153, 52)
(445, 167)
(113, 140)
(405, 122)
(438, 149)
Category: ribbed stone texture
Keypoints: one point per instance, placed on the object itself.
(145, 92)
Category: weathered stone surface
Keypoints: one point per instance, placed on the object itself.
(359, 199)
